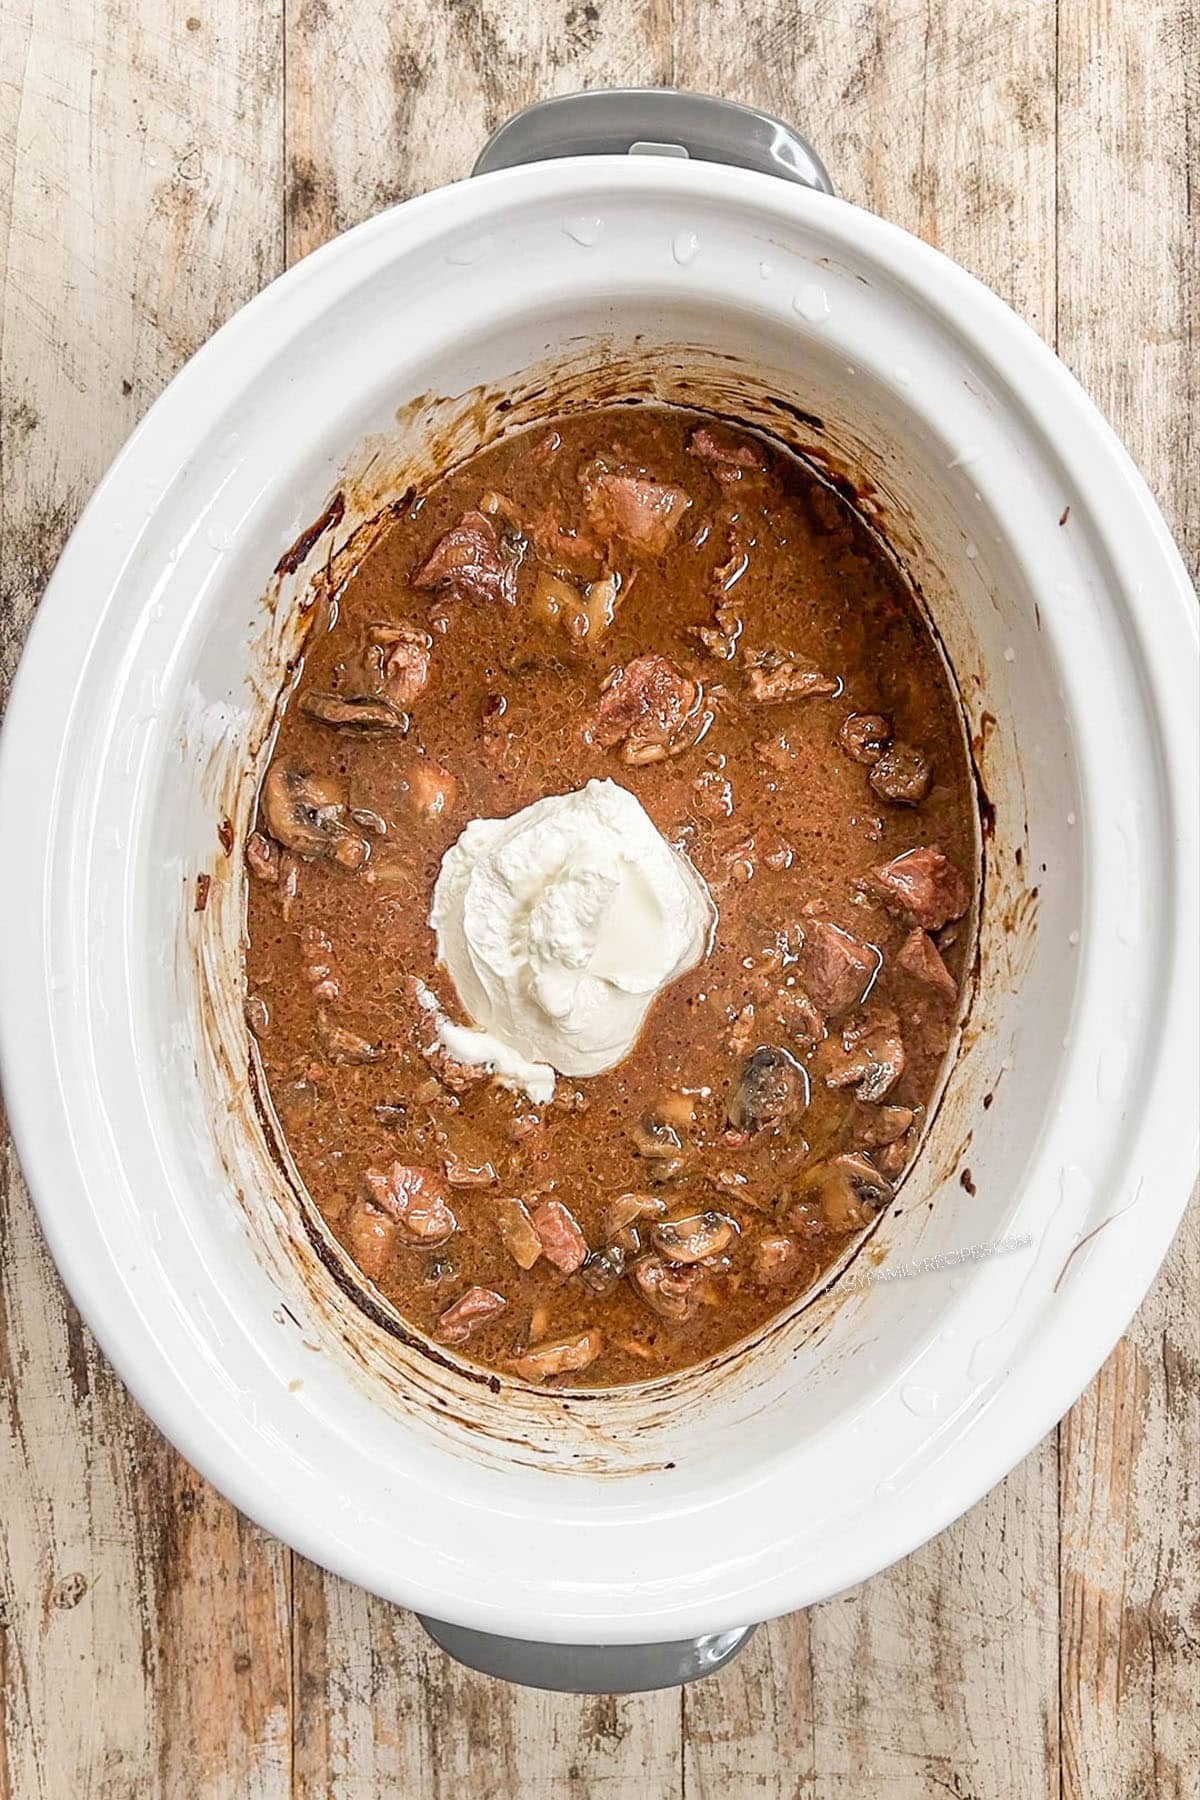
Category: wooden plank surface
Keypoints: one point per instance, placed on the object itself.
(145, 1646)
(155, 170)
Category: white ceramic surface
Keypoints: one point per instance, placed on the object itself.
(871, 1418)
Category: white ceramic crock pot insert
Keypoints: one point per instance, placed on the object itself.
(871, 1420)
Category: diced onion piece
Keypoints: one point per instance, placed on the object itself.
(516, 1229)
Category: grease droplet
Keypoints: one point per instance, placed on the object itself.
(812, 303)
(684, 246)
(923, 1401)
(585, 231)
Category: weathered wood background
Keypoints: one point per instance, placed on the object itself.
(159, 161)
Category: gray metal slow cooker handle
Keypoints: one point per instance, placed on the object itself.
(589, 1668)
(654, 122)
(646, 122)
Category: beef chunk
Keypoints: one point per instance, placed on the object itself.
(470, 563)
(563, 1243)
(646, 707)
(919, 957)
(837, 967)
(729, 455)
(865, 736)
(776, 1261)
(416, 1199)
(798, 1013)
(341, 1045)
(401, 653)
(633, 510)
(876, 1126)
(478, 1306)
(922, 886)
(369, 1236)
(901, 776)
(775, 677)
(566, 1357)
(262, 857)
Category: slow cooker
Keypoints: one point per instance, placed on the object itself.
(612, 246)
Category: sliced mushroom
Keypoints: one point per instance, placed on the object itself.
(566, 1357)
(695, 1238)
(773, 1085)
(307, 814)
(676, 1108)
(463, 1174)
(799, 1014)
(624, 1212)
(869, 1055)
(850, 1191)
(893, 1158)
(601, 606)
(603, 1269)
(668, 1290)
(659, 1143)
(517, 1232)
(555, 598)
(354, 712)
(439, 1268)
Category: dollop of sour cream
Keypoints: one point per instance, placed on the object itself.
(559, 926)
